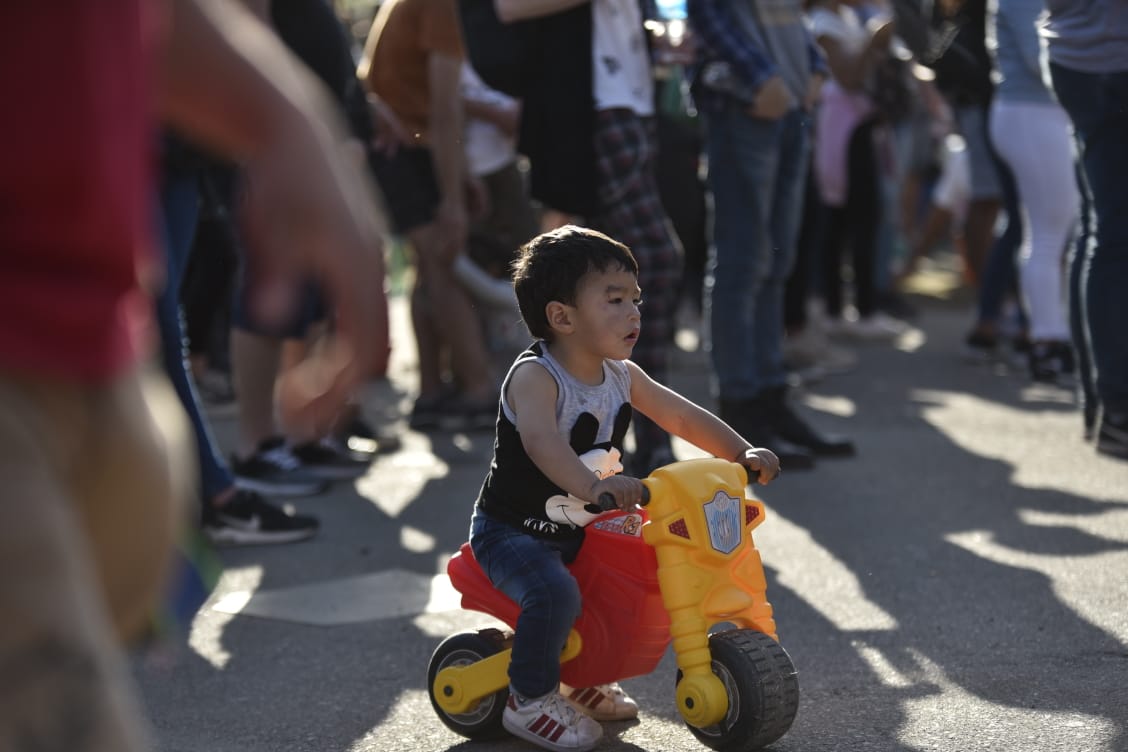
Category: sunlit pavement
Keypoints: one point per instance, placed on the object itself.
(962, 584)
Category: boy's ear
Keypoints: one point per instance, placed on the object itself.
(559, 317)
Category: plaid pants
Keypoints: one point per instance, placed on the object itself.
(631, 212)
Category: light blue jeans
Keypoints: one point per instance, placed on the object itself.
(530, 571)
(757, 170)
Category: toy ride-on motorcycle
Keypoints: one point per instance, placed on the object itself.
(682, 570)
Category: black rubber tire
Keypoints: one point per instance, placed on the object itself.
(763, 691)
(483, 721)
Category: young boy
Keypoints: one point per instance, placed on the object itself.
(565, 407)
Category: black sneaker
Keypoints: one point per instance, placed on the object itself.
(1112, 435)
(275, 471)
(329, 460)
(1049, 360)
(248, 519)
(364, 441)
(980, 347)
(427, 413)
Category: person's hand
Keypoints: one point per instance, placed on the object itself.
(627, 491)
(881, 35)
(773, 101)
(761, 461)
(309, 214)
(390, 132)
(814, 91)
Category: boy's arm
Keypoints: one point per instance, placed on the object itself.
(227, 80)
(681, 417)
(698, 426)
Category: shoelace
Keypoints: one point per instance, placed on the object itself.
(560, 711)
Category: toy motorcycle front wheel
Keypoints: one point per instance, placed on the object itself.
(483, 721)
(762, 688)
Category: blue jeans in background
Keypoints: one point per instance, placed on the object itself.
(757, 170)
(1097, 104)
(1000, 270)
(531, 572)
(180, 209)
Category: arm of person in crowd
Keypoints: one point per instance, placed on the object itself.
(719, 36)
(820, 72)
(505, 114)
(852, 70)
(521, 10)
(390, 133)
(226, 79)
(445, 134)
(684, 418)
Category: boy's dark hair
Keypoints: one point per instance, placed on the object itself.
(549, 267)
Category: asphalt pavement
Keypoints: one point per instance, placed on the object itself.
(961, 584)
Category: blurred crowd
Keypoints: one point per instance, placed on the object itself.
(781, 170)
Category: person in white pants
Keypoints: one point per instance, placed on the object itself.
(1031, 132)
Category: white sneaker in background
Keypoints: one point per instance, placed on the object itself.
(603, 702)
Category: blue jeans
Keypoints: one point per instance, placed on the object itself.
(1000, 271)
(180, 207)
(1098, 106)
(757, 170)
(531, 571)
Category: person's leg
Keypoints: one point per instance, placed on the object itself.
(531, 572)
(632, 213)
(863, 206)
(743, 164)
(179, 203)
(101, 477)
(793, 150)
(983, 209)
(1034, 139)
(1095, 104)
(998, 279)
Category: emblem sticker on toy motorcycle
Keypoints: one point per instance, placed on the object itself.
(630, 524)
(722, 518)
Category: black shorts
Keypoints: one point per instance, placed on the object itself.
(407, 180)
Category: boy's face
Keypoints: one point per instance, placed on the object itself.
(607, 314)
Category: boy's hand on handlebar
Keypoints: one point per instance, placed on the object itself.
(627, 492)
(761, 461)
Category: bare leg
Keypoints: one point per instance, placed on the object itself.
(254, 363)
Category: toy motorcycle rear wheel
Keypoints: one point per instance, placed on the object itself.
(483, 721)
(762, 687)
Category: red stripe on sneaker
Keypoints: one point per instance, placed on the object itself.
(549, 728)
(590, 697)
(556, 734)
(535, 726)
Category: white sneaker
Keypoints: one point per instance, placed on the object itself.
(603, 702)
(551, 723)
(875, 327)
